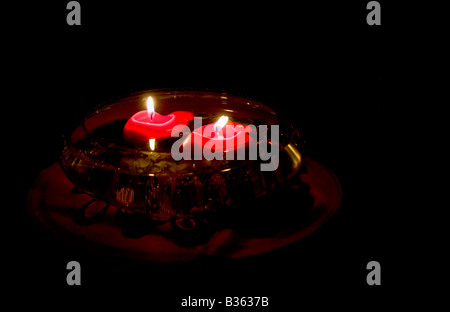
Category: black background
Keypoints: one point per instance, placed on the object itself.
(317, 62)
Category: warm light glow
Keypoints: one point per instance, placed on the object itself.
(296, 157)
(151, 143)
(150, 107)
(220, 123)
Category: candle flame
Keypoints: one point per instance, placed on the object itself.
(150, 107)
(151, 143)
(220, 123)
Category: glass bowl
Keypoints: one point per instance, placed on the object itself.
(137, 179)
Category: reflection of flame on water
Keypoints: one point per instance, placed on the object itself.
(151, 143)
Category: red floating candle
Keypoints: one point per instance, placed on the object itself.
(222, 136)
(148, 124)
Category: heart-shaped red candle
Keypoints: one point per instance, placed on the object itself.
(222, 136)
(147, 124)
